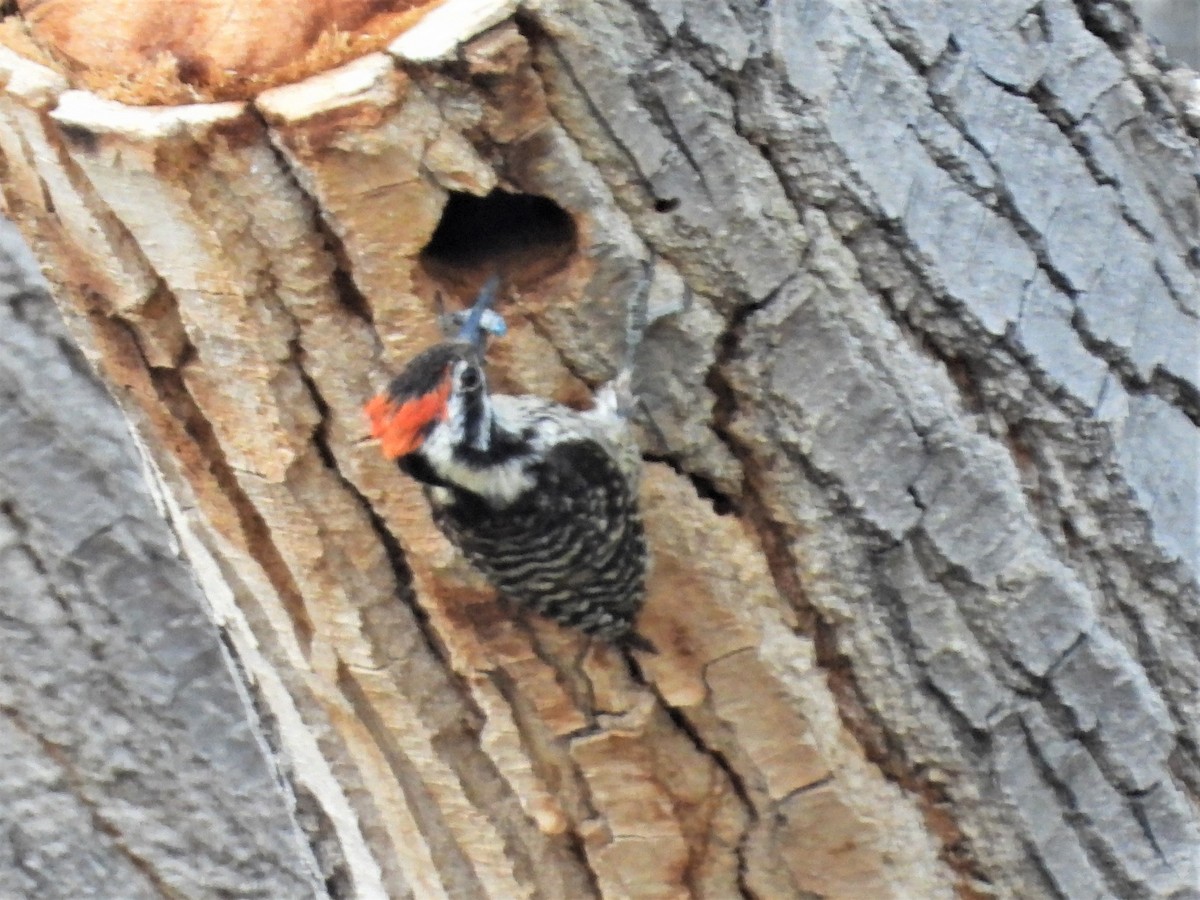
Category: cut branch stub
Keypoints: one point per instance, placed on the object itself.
(161, 51)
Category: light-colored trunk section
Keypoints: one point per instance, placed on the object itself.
(926, 611)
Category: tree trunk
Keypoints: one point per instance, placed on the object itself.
(128, 768)
(919, 368)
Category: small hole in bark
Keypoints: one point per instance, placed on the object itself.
(666, 204)
(523, 237)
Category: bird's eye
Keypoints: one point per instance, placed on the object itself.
(470, 379)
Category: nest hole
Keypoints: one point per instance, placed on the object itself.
(523, 237)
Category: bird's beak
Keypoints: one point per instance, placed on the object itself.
(473, 331)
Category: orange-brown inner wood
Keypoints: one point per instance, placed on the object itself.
(168, 51)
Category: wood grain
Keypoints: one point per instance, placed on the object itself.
(161, 51)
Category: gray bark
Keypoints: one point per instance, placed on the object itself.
(970, 413)
(130, 765)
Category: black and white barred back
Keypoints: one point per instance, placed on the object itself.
(542, 499)
(571, 548)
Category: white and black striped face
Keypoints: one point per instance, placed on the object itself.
(468, 422)
(439, 422)
(440, 396)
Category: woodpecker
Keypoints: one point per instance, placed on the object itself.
(541, 498)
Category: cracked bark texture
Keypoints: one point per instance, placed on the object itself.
(129, 766)
(920, 367)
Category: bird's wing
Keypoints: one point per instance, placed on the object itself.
(573, 547)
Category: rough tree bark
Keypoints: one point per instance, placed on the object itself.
(920, 365)
(128, 767)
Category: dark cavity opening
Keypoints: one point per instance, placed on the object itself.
(523, 237)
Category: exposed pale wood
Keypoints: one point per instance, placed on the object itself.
(440, 32)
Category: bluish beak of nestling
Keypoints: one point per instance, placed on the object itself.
(481, 319)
